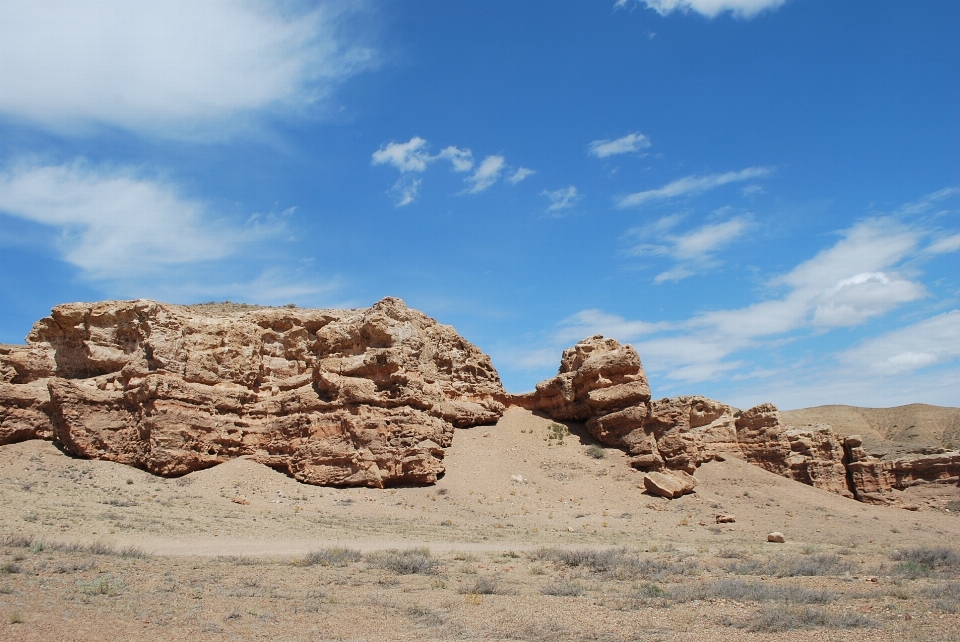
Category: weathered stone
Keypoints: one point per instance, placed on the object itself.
(334, 397)
(776, 538)
(670, 484)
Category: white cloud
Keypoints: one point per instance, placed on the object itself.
(694, 250)
(406, 190)
(488, 172)
(854, 300)
(692, 185)
(945, 245)
(113, 221)
(843, 285)
(589, 322)
(920, 345)
(520, 174)
(170, 68)
(410, 156)
(561, 199)
(462, 159)
(632, 142)
(709, 8)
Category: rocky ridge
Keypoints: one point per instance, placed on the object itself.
(602, 383)
(364, 397)
(371, 397)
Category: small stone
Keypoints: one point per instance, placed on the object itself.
(725, 519)
(241, 500)
(776, 538)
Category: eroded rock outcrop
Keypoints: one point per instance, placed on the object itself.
(336, 397)
(602, 384)
(874, 478)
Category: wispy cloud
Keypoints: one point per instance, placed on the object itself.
(116, 219)
(189, 70)
(406, 190)
(561, 199)
(520, 174)
(920, 345)
(844, 285)
(136, 235)
(462, 159)
(709, 8)
(488, 172)
(630, 143)
(694, 250)
(692, 185)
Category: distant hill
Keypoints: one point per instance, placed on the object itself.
(901, 428)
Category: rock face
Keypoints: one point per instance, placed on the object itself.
(602, 384)
(669, 484)
(335, 397)
(874, 478)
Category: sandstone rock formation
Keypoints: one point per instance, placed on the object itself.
(335, 397)
(602, 383)
(874, 477)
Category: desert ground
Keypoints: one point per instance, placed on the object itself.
(535, 532)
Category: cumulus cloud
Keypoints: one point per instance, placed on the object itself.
(488, 172)
(410, 156)
(632, 142)
(709, 8)
(169, 68)
(413, 156)
(692, 185)
(561, 199)
(114, 220)
(520, 174)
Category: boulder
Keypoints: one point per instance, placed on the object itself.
(776, 538)
(669, 484)
(333, 397)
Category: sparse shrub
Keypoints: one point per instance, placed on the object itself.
(557, 432)
(333, 556)
(104, 585)
(563, 588)
(927, 558)
(776, 619)
(408, 562)
(596, 451)
(16, 618)
(10, 568)
(794, 566)
(484, 585)
(741, 591)
(16, 540)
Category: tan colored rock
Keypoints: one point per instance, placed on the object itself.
(776, 538)
(874, 478)
(817, 458)
(725, 519)
(597, 376)
(670, 484)
(334, 397)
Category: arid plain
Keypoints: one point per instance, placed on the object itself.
(576, 550)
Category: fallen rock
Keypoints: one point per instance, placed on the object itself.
(669, 484)
(243, 501)
(776, 538)
(365, 397)
(725, 519)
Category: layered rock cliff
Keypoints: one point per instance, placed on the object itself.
(336, 397)
(602, 383)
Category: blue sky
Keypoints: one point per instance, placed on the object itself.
(762, 196)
